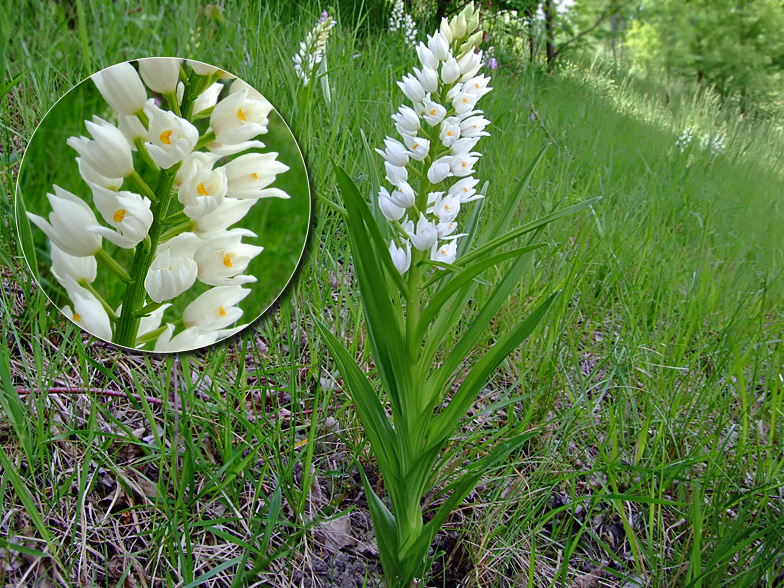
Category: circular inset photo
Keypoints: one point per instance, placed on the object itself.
(163, 204)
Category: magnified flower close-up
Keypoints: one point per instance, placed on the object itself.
(161, 202)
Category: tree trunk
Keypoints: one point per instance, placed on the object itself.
(549, 26)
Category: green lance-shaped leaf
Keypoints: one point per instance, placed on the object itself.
(371, 413)
(460, 279)
(385, 330)
(444, 423)
(459, 490)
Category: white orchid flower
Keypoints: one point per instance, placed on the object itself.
(445, 253)
(412, 88)
(132, 128)
(150, 322)
(250, 175)
(208, 98)
(400, 257)
(433, 112)
(222, 149)
(394, 152)
(228, 212)
(406, 121)
(171, 138)
(450, 131)
(108, 153)
(127, 212)
(428, 77)
(426, 56)
(215, 309)
(425, 234)
(122, 88)
(403, 196)
(222, 259)
(161, 74)
(87, 311)
(203, 190)
(169, 276)
(439, 170)
(91, 176)
(418, 147)
(450, 71)
(388, 208)
(469, 65)
(65, 264)
(202, 69)
(396, 174)
(463, 165)
(238, 118)
(474, 126)
(68, 222)
(446, 208)
(190, 338)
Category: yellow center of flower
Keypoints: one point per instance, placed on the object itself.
(464, 164)
(119, 215)
(414, 146)
(449, 133)
(241, 115)
(465, 189)
(202, 190)
(77, 317)
(255, 176)
(447, 207)
(465, 100)
(165, 137)
(443, 252)
(221, 311)
(227, 260)
(474, 126)
(477, 86)
(433, 112)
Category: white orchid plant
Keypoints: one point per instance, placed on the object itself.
(172, 195)
(417, 272)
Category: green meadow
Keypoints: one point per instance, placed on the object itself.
(655, 383)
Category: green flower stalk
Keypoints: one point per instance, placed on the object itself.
(416, 276)
(172, 205)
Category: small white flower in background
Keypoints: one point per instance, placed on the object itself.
(685, 140)
(161, 74)
(150, 322)
(127, 212)
(68, 222)
(441, 129)
(311, 51)
(108, 153)
(402, 23)
(171, 138)
(713, 144)
(87, 311)
(121, 87)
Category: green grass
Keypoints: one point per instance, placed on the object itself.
(656, 383)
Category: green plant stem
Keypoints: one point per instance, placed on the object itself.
(204, 140)
(171, 100)
(145, 155)
(128, 323)
(143, 119)
(142, 185)
(113, 266)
